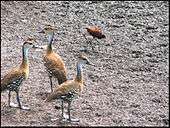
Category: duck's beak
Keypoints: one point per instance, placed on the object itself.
(37, 47)
(42, 32)
(90, 63)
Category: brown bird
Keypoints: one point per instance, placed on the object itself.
(14, 78)
(70, 89)
(52, 61)
(95, 32)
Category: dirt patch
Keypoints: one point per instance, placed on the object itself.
(128, 85)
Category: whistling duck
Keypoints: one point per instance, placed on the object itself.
(14, 78)
(70, 89)
(52, 61)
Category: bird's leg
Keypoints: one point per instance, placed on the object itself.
(62, 108)
(50, 77)
(71, 119)
(62, 112)
(64, 116)
(87, 41)
(69, 104)
(97, 40)
(91, 45)
(18, 100)
(9, 99)
(98, 43)
(19, 103)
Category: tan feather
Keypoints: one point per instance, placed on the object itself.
(12, 76)
(65, 88)
(56, 66)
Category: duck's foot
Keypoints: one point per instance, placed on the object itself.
(53, 119)
(63, 120)
(73, 120)
(65, 116)
(70, 120)
(25, 108)
(13, 105)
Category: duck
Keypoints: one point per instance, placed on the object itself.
(14, 78)
(53, 62)
(70, 89)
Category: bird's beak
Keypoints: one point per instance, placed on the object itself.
(42, 32)
(37, 47)
(90, 63)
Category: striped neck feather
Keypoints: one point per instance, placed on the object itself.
(79, 71)
(50, 40)
(25, 54)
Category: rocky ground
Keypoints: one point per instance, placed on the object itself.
(128, 85)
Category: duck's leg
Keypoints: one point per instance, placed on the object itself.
(71, 119)
(9, 97)
(88, 42)
(51, 83)
(91, 45)
(19, 103)
(62, 108)
(98, 43)
(9, 101)
(64, 115)
(62, 112)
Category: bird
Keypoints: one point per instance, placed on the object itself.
(15, 77)
(70, 89)
(95, 32)
(53, 62)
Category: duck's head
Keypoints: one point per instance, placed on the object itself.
(83, 59)
(30, 43)
(48, 29)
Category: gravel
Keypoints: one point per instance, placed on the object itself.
(128, 85)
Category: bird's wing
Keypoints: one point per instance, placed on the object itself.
(10, 77)
(64, 89)
(97, 29)
(56, 67)
(53, 61)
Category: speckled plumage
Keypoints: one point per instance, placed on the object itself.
(14, 78)
(70, 89)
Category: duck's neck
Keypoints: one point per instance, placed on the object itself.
(25, 60)
(50, 40)
(79, 76)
